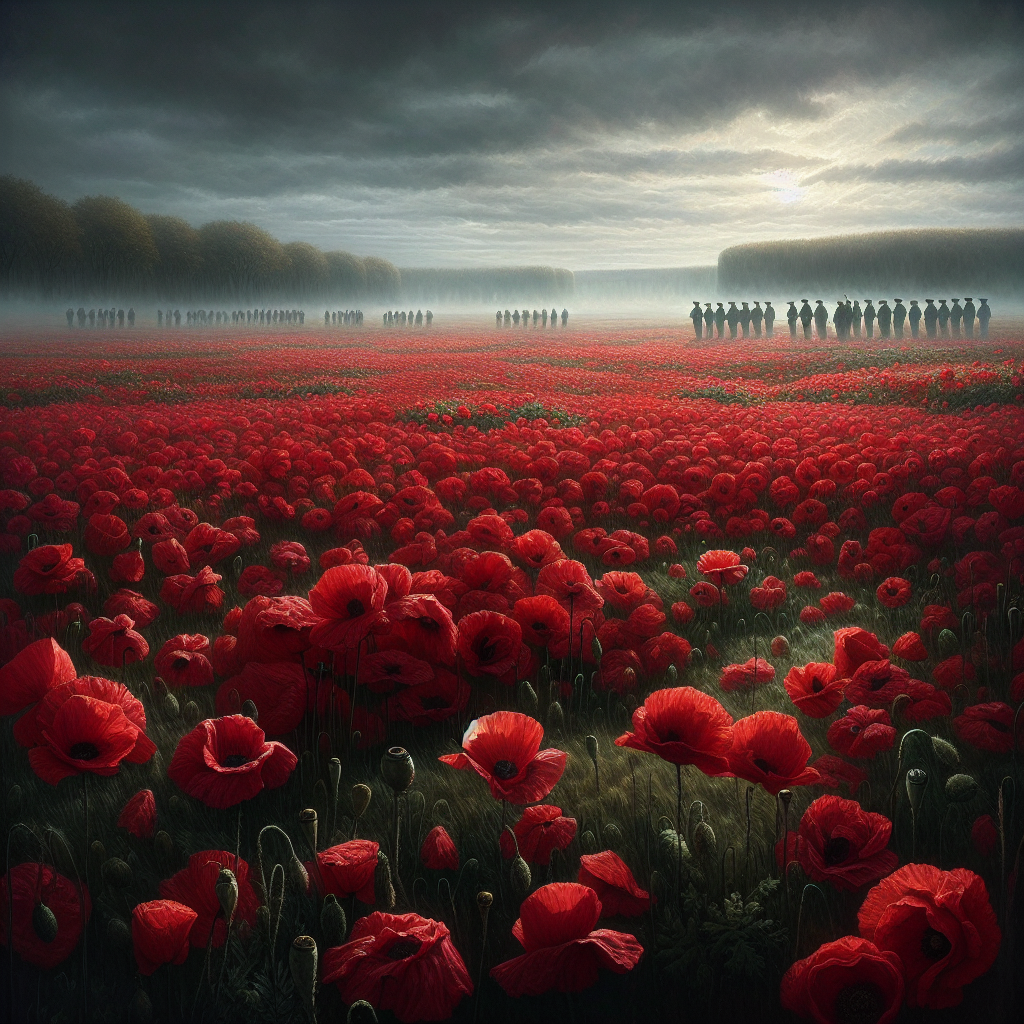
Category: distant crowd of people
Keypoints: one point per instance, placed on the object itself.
(944, 321)
(103, 317)
(339, 316)
(515, 317)
(215, 318)
(400, 318)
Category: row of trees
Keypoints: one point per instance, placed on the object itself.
(101, 246)
(981, 259)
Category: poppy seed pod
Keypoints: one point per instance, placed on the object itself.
(164, 846)
(705, 845)
(119, 934)
(917, 780)
(302, 959)
(308, 822)
(227, 892)
(948, 643)
(945, 752)
(383, 890)
(521, 877)
(333, 923)
(360, 799)
(44, 923)
(591, 742)
(169, 706)
(361, 1012)
(190, 713)
(961, 788)
(398, 769)
(672, 674)
(527, 698)
(555, 718)
(780, 646)
(117, 873)
(250, 711)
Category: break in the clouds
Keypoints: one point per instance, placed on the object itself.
(584, 135)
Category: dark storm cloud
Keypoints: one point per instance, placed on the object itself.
(540, 110)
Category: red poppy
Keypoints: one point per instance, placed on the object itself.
(258, 580)
(224, 761)
(926, 702)
(540, 830)
(113, 642)
(877, 684)
(170, 557)
(771, 594)
(398, 578)
(49, 569)
(403, 963)
(952, 671)
(423, 624)
(683, 725)
(939, 923)
(937, 617)
(707, 595)
(438, 852)
(183, 661)
(489, 643)
(854, 646)
(504, 749)
(106, 534)
(537, 548)
(722, 568)
(663, 650)
(33, 884)
(281, 692)
(620, 670)
(987, 727)
(844, 980)
(206, 545)
(196, 886)
(569, 583)
(138, 815)
(441, 697)
(31, 673)
(128, 567)
(160, 933)
(349, 601)
(862, 732)
(131, 603)
(835, 772)
(275, 628)
(753, 672)
(894, 592)
(836, 603)
(807, 580)
(844, 845)
(346, 869)
(198, 593)
(815, 689)
(622, 591)
(768, 748)
(609, 876)
(910, 647)
(543, 620)
(563, 951)
(386, 671)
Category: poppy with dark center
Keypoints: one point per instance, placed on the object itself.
(275, 628)
(939, 923)
(854, 646)
(443, 696)
(540, 830)
(504, 749)
(876, 684)
(569, 583)
(348, 600)
(564, 951)
(768, 748)
(346, 869)
(489, 643)
(208, 545)
(160, 933)
(609, 876)
(32, 886)
(989, 727)
(195, 886)
(894, 592)
(622, 591)
(537, 548)
(387, 671)
(722, 568)
(862, 732)
(184, 661)
(543, 620)
(659, 652)
(401, 963)
(224, 761)
(815, 688)
(49, 569)
(849, 981)
(114, 642)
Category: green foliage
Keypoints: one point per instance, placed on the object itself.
(529, 411)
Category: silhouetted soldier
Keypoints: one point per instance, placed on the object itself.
(856, 316)
(697, 318)
(899, 318)
(81, 316)
(159, 318)
(429, 317)
(732, 318)
(720, 321)
(543, 318)
(565, 317)
(419, 317)
(969, 317)
(931, 316)
(131, 316)
(769, 318)
(869, 319)
(821, 319)
(884, 319)
(745, 320)
(839, 319)
(498, 319)
(709, 321)
(177, 318)
(70, 314)
(791, 318)
(806, 316)
(327, 318)
(956, 316)
(984, 315)
(943, 318)
(756, 318)
(914, 316)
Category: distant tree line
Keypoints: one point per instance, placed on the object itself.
(989, 259)
(487, 285)
(102, 246)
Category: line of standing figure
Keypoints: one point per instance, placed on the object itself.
(847, 319)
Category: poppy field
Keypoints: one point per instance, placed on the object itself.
(498, 675)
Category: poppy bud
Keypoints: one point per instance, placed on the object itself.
(227, 892)
(527, 698)
(704, 843)
(780, 647)
(308, 822)
(302, 960)
(612, 834)
(592, 748)
(190, 713)
(521, 877)
(383, 890)
(119, 934)
(361, 1012)
(250, 711)
(44, 923)
(164, 846)
(360, 799)
(917, 780)
(300, 876)
(398, 769)
(948, 643)
(673, 844)
(588, 842)
(263, 920)
(14, 802)
(961, 788)
(441, 811)
(117, 873)
(945, 752)
(169, 706)
(672, 673)
(332, 921)
(556, 720)
(596, 649)
(236, 565)
(417, 802)
(140, 1009)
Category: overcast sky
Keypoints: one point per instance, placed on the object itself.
(585, 136)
